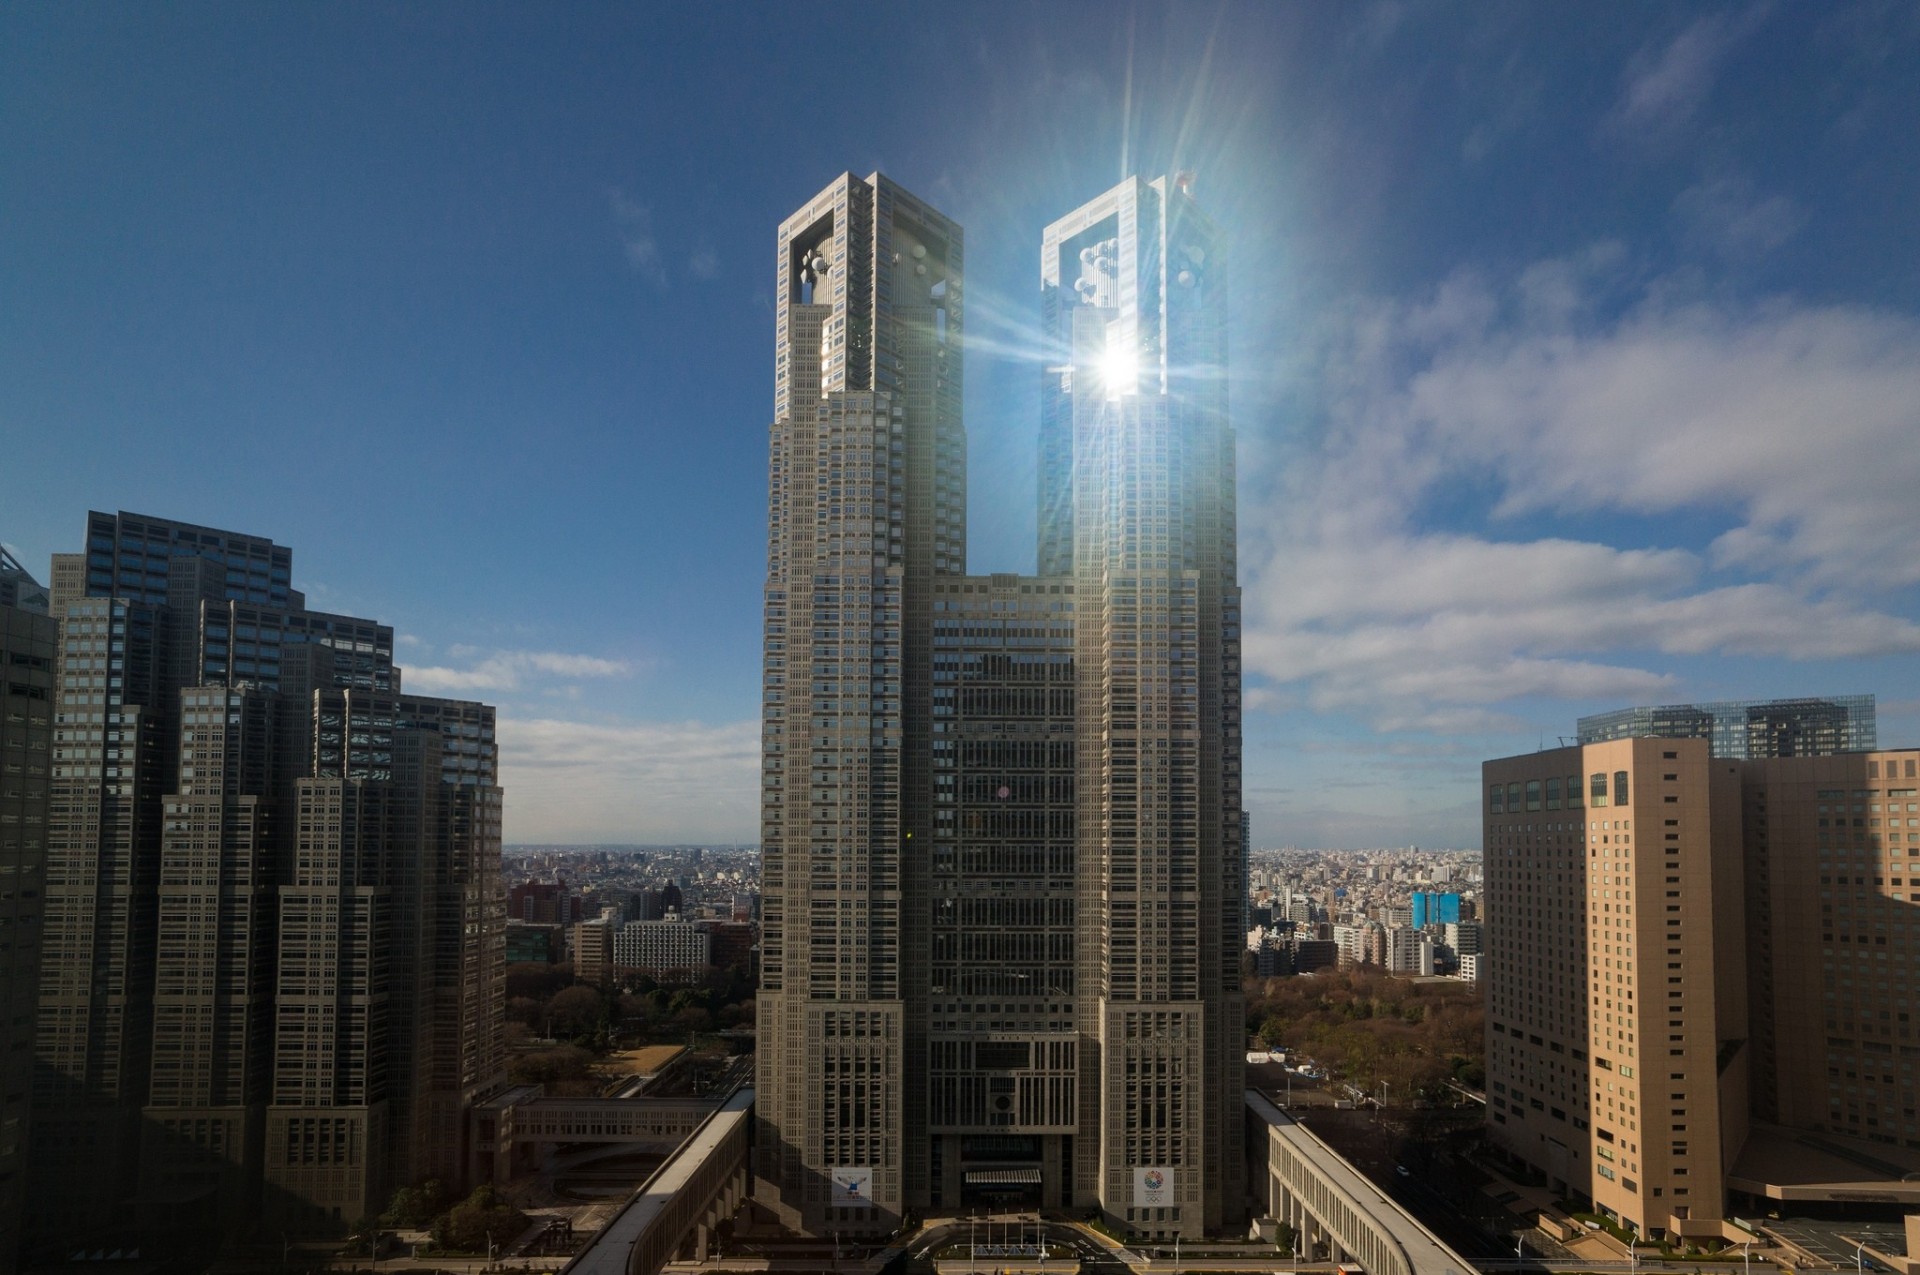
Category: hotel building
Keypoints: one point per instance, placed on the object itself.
(1699, 976)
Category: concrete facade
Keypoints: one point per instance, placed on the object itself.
(1696, 964)
(661, 945)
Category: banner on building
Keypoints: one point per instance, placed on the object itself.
(1152, 1188)
(853, 1185)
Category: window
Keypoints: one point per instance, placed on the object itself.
(1619, 787)
(1597, 790)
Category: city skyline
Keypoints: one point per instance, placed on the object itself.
(1573, 352)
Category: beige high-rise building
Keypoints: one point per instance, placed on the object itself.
(1833, 897)
(1671, 1010)
(1001, 829)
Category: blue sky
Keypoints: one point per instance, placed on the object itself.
(1576, 349)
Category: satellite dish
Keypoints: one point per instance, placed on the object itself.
(1185, 278)
(819, 263)
(919, 251)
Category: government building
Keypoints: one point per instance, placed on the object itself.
(1003, 848)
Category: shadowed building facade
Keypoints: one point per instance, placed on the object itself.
(274, 924)
(1002, 833)
(28, 644)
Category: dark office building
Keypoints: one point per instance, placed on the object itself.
(274, 938)
(28, 642)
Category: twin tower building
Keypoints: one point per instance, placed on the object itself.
(1004, 858)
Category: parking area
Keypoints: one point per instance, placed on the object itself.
(1838, 1241)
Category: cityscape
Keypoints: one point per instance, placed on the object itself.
(1364, 721)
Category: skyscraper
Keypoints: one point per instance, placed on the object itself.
(1001, 824)
(18, 588)
(27, 645)
(274, 926)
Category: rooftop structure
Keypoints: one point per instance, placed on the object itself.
(1809, 727)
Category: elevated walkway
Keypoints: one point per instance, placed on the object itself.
(699, 1186)
(1311, 1187)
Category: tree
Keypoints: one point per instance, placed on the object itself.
(537, 982)
(480, 1219)
(416, 1205)
(550, 1066)
(575, 1011)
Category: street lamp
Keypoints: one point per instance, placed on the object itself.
(1859, 1263)
(1746, 1257)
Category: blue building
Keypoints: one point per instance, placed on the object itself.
(1432, 908)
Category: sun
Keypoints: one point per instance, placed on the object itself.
(1119, 370)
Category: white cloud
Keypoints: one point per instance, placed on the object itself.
(1789, 425)
(509, 670)
(1798, 419)
(1728, 217)
(637, 239)
(1664, 84)
(649, 781)
(704, 264)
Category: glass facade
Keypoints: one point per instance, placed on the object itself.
(1749, 729)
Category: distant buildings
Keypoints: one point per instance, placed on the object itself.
(544, 903)
(1431, 908)
(272, 979)
(591, 943)
(1700, 974)
(535, 945)
(661, 945)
